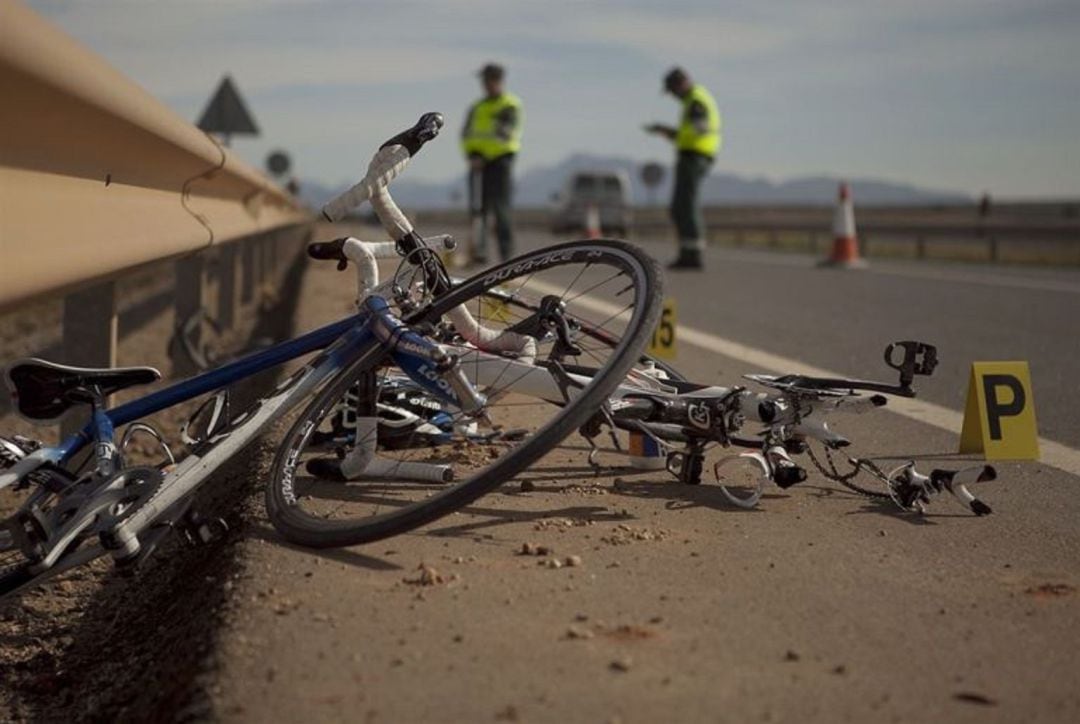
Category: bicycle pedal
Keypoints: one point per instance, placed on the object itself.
(197, 530)
(29, 531)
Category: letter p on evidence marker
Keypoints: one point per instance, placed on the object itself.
(999, 418)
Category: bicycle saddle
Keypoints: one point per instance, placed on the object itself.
(43, 390)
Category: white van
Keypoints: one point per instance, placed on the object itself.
(609, 191)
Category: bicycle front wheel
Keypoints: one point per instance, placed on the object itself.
(559, 329)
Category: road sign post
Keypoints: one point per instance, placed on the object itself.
(652, 174)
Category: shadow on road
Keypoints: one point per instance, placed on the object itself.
(338, 555)
(135, 649)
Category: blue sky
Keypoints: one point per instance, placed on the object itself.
(969, 95)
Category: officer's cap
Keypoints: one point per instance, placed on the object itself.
(492, 71)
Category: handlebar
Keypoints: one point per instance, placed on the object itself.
(413, 139)
(390, 160)
(911, 490)
(347, 248)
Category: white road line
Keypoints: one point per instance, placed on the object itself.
(1052, 453)
(984, 277)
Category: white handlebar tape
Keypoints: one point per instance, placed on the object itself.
(385, 165)
(392, 218)
(365, 253)
(356, 249)
(489, 339)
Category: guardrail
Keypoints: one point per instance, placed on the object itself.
(1012, 232)
(99, 179)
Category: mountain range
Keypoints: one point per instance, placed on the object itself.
(534, 187)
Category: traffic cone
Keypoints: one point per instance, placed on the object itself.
(845, 250)
(592, 222)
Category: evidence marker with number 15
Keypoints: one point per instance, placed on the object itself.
(662, 342)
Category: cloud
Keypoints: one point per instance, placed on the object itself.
(884, 88)
(667, 37)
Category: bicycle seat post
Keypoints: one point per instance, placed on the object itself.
(105, 450)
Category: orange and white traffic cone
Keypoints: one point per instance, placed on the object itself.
(845, 250)
(593, 229)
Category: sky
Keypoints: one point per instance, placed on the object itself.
(965, 95)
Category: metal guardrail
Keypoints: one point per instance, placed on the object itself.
(1012, 232)
(97, 177)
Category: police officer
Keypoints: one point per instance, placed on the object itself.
(490, 140)
(697, 139)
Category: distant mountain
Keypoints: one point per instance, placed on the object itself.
(534, 187)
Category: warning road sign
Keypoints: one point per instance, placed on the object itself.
(226, 113)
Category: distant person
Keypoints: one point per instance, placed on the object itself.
(490, 140)
(697, 140)
(985, 206)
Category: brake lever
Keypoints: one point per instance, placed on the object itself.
(955, 483)
(329, 250)
(911, 490)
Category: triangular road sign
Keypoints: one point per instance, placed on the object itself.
(226, 113)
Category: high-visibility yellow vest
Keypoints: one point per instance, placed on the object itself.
(482, 135)
(688, 138)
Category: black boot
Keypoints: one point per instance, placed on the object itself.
(326, 469)
(688, 259)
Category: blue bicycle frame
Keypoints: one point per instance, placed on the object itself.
(355, 343)
(375, 324)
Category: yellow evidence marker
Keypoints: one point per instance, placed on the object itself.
(495, 309)
(662, 344)
(999, 418)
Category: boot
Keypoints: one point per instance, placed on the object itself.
(326, 469)
(688, 259)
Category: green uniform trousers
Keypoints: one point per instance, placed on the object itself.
(690, 169)
(496, 197)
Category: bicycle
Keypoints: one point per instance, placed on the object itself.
(685, 419)
(412, 327)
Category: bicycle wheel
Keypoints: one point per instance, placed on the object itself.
(593, 305)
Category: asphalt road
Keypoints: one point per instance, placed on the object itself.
(842, 320)
(818, 606)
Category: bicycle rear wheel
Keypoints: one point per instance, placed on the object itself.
(588, 308)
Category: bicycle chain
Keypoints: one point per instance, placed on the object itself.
(846, 478)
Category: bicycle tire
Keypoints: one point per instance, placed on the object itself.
(299, 527)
